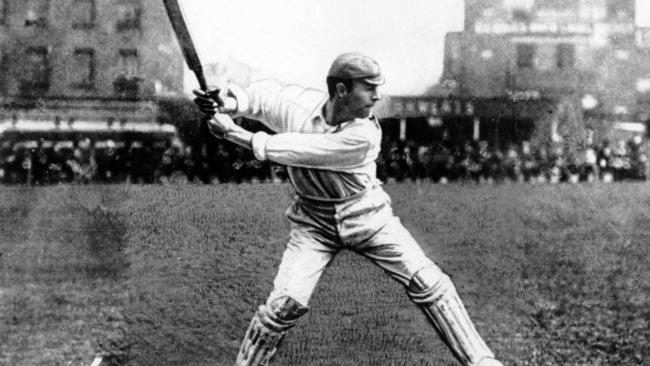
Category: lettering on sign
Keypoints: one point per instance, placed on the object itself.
(398, 108)
(522, 95)
(445, 107)
(410, 107)
(433, 107)
(457, 107)
(545, 27)
(469, 109)
(423, 106)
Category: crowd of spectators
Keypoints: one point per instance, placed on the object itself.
(146, 162)
(137, 161)
(479, 162)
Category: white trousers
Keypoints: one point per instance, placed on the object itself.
(365, 225)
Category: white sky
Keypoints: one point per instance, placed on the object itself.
(296, 40)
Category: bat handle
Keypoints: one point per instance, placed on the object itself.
(203, 85)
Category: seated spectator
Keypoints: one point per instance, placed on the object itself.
(512, 164)
(637, 158)
(590, 170)
(83, 163)
(529, 165)
(620, 161)
(106, 156)
(39, 164)
(442, 164)
(189, 164)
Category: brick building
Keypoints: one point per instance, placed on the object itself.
(535, 70)
(550, 68)
(85, 63)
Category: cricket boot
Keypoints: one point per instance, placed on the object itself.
(267, 330)
(434, 293)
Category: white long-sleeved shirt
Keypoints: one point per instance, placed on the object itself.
(325, 163)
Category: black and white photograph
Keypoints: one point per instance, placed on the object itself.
(325, 182)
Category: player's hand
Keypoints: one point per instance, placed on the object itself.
(208, 101)
(212, 101)
(220, 124)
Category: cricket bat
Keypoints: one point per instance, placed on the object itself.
(177, 19)
(175, 14)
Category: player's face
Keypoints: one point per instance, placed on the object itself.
(361, 99)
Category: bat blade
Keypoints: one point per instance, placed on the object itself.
(175, 14)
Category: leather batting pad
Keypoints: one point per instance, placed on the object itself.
(267, 329)
(259, 345)
(434, 292)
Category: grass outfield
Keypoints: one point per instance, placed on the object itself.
(170, 275)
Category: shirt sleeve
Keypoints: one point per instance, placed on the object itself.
(282, 108)
(353, 147)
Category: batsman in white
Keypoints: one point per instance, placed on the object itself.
(329, 143)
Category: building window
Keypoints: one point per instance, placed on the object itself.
(521, 15)
(526, 55)
(35, 71)
(84, 67)
(3, 11)
(565, 55)
(37, 13)
(83, 14)
(129, 62)
(127, 82)
(128, 15)
(620, 10)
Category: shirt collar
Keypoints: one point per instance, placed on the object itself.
(327, 128)
(332, 129)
